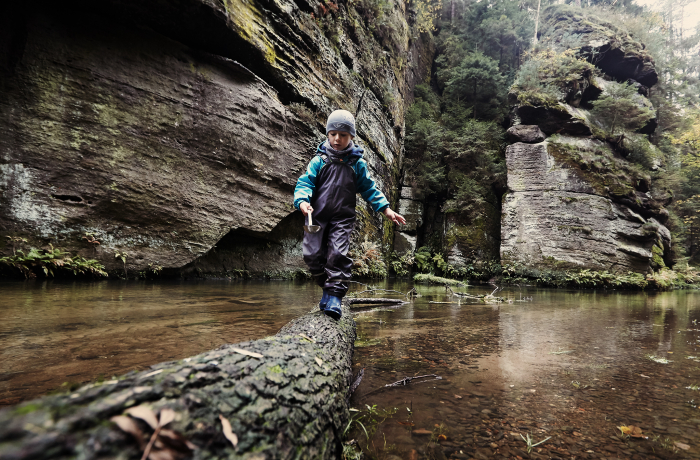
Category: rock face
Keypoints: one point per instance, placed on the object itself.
(607, 46)
(554, 217)
(165, 128)
(412, 209)
(573, 199)
(530, 134)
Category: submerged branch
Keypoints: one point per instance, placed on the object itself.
(405, 381)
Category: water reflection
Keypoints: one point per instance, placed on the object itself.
(572, 365)
(51, 332)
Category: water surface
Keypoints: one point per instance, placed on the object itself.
(55, 333)
(569, 365)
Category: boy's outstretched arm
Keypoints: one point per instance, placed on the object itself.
(395, 217)
(375, 198)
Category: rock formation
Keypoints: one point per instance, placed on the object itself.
(175, 130)
(574, 200)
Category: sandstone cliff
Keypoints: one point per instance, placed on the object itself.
(174, 131)
(575, 197)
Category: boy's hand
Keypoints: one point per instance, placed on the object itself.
(394, 217)
(305, 208)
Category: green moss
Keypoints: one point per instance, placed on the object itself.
(432, 279)
(276, 370)
(248, 22)
(657, 257)
(26, 409)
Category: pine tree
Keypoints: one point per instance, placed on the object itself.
(619, 111)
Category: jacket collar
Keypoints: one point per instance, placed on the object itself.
(352, 151)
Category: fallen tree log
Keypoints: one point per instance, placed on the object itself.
(284, 397)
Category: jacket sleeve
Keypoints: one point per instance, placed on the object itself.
(306, 184)
(367, 189)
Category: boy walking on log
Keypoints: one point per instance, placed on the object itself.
(327, 190)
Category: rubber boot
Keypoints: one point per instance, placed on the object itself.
(333, 307)
(324, 300)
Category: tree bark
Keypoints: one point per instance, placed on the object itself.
(288, 400)
(537, 20)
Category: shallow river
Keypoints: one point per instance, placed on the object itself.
(568, 365)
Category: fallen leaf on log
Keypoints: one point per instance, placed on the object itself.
(128, 425)
(144, 413)
(228, 432)
(166, 416)
(246, 352)
(175, 441)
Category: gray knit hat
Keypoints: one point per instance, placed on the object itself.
(341, 120)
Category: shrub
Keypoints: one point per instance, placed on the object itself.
(553, 75)
(368, 260)
(51, 262)
(617, 109)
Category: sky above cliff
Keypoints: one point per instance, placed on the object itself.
(691, 13)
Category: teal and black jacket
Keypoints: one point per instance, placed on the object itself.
(364, 185)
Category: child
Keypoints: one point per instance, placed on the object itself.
(327, 190)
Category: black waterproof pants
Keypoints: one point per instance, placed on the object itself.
(326, 252)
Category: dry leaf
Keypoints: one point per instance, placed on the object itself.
(458, 397)
(145, 414)
(166, 416)
(422, 431)
(176, 441)
(246, 352)
(230, 435)
(442, 437)
(636, 432)
(319, 361)
(307, 338)
(127, 425)
(165, 454)
(405, 423)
